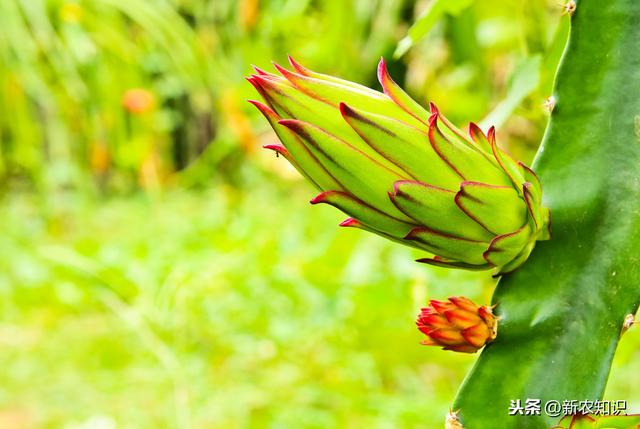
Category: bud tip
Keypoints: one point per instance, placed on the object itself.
(350, 223)
(383, 75)
(284, 72)
(258, 70)
(277, 148)
(345, 110)
(320, 198)
(293, 124)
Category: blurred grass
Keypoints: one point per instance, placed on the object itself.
(237, 318)
(158, 271)
(195, 310)
(68, 68)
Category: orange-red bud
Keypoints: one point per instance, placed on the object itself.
(457, 324)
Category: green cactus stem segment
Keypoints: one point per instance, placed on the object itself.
(562, 313)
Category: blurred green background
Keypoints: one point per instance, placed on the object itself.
(159, 270)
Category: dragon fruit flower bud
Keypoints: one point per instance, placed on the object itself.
(404, 173)
(457, 324)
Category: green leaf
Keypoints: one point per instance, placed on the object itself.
(562, 311)
(424, 24)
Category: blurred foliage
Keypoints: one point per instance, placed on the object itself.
(110, 317)
(71, 69)
(125, 316)
(158, 270)
(66, 68)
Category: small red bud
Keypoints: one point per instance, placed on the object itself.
(457, 324)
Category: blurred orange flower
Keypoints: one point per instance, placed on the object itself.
(138, 101)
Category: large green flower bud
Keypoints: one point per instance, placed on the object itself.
(404, 173)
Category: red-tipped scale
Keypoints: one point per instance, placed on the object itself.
(277, 148)
(403, 172)
(350, 223)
